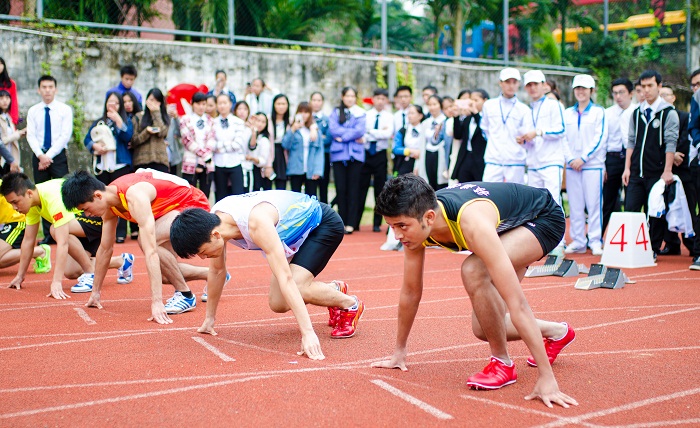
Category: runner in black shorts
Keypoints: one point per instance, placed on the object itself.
(298, 236)
(11, 237)
(506, 227)
(92, 227)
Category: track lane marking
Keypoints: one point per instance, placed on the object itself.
(84, 316)
(213, 349)
(412, 400)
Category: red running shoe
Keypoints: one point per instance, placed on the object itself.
(495, 375)
(334, 311)
(347, 321)
(554, 347)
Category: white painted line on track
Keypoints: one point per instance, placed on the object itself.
(82, 314)
(623, 408)
(128, 397)
(257, 348)
(694, 421)
(511, 406)
(213, 349)
(66, 342)
(412, 400)
(638, 318)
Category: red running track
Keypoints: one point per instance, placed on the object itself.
(633, 362)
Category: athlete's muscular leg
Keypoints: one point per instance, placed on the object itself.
(313, 292)
(489, 320)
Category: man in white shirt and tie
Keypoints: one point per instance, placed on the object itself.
(403, 97)
(380, 128)
(617, 118)
(49, 129)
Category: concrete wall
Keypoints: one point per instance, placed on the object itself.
(165, 64)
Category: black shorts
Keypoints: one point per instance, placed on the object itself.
(320, 245)
(92, 227)
(13, 233)
(549, 226)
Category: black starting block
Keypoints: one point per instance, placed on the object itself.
(553, 266)
(600, 276)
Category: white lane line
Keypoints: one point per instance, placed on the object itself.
(82, 314)
(512, 407)
(623, 408)
(66, 342)
(607, 324)
(128, 397)
(213, 349)
(694, 421)
(257, 348)
(412, 400)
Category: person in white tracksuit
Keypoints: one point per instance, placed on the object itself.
(504, 119)
(586, 133)
(545, 142)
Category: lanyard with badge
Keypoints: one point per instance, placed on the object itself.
(500, 105)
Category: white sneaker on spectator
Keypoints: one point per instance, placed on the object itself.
(572, 249)
(597, 250)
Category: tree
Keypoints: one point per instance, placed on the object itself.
(404, 31)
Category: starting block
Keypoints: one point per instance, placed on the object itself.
(553, 266)
(601, 276)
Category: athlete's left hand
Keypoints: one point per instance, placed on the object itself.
(548, 391)
(207, 327)
(311, 347)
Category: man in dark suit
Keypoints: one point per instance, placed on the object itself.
(681, 168)
(469, 165)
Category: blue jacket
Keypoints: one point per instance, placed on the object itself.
(323, 131)
(294, 143)
(349, 132)
(123, 138)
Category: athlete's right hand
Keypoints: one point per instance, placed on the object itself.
(94, 301)
(207, 327)
(57, 291)
(397, 361)
(16, 283)
(158, 314)
(311, 347)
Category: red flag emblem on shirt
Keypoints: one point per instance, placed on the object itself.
(57, 216)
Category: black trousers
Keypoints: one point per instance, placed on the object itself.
(310, 186)
(636, 198)
(323, 182)
(154, 165)
(228, 181)
(108, 177)
(347, 189)
(373, 172)
(199, 180)
(58, 169)
(614, 166)
(671, 239)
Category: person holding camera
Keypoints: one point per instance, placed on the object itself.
(150, 129)
(221, 87)
(305, 148)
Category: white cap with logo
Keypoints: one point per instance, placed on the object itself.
(534, 76)
(509, 73)
(583, 81)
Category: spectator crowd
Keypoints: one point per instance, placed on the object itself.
(606, 159)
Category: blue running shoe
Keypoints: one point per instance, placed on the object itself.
(126, 272)
(84, 284)
(179, 304)
(205, 297)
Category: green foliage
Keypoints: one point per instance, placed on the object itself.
(114, 12)
(547, 48)
(381, 75)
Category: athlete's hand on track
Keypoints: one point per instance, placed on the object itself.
(548, 391)
(311, 347)
(158, 314)
(16, 283)
(207, 327)
(57, 291)
(94, 301)
(397, 361)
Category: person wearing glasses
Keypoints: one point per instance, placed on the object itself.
(694, 131)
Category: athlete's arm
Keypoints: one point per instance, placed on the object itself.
(103, 256)
(139, 197)
(261, 225)
(215, 285)
(411, 293)
(62, 233)
(478, 223)
(26, 252)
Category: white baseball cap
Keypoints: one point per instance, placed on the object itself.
(583, 81)
(509, 73)
(534, 76)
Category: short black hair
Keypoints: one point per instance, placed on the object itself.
(129, 69)
(198, 97)
(407, 195)
(694, 73)
(464, 91)
(220, 71)
(482, 93)
(431, 88)
(637, 83)
(403, 88)
(319, 94)
(380, 91)
(448, 98)
(192, 229)
(79, 188)
(627, 83)
(47, 78)
(17, 183)
(649, 74)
